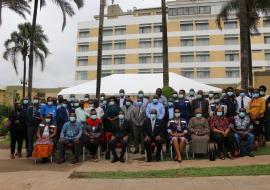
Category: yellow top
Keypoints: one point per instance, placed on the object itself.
(256, 108)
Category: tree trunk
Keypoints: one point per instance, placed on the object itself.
(165, 44)
(24, 75)
(250, 68)
(1, 4)
(31, 54)
(100, 42)
(244, 35)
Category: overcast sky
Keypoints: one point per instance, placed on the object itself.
(59, 70)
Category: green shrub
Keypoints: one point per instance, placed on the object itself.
(4, 112)
(167, 91)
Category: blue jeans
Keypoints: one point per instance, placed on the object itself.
(250, 139)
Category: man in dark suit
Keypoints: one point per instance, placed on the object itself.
(153, 132)
(121, 100)
(120, 130)
(200, 103)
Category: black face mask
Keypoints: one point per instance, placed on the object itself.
(95, 104)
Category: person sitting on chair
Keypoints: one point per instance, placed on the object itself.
(120, 131)
(92, 134)
(69, 138)
(153, 132)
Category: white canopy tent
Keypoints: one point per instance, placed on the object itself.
(133, 83)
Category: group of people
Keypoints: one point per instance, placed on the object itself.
(235, 120)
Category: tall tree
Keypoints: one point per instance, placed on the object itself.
(165, 44)
(250, 10)
(18, 6)
(19, 43)
(100, 42)
(66, 9)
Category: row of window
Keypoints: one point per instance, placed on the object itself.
(204, 72)
(189, 10)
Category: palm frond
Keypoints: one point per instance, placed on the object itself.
(79, 3)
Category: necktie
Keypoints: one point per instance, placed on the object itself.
(242, 102)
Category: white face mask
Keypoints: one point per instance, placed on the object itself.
(177, 115)
(121, 116)
(48, 120)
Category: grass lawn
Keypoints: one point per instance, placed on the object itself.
(176, 173)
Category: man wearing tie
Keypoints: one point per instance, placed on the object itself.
(153, 132)
(242, 100)
(200, 103)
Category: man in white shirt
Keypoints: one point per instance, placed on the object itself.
(99, 110)
(122, 99)
(242, 100)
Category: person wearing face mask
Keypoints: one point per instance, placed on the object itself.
(32, 121)
(73, 106)
(81, 113)
(162, 99)
(120, 131)
(191, 96)
(262, 90)
(141, 96)
(137, 115)
(178, 134)
(256, 109)
(99, 110)
(92, 134)
(217, 103)
(183, 105)
(155, 104)
(169, 115)
(48, 108)
(242, 128)
(60, 100)
(70, 137)
(221, 134)
(250, 91)
(46, 134)
(210, 98)
(153, 130)
(200, 103)
(17, 130)
(223, 93)
(267, 119)
(70, 105)
(86, 102)
(103, 101)
(175, 96)
(200, 131)
(62, 116)
(121, 101)
(237, 92)
(231, 103)
(242, 100)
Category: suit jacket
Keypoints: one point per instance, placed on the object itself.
(204, 107)
(138, 116)
(158, 129)
(118, 101)
(120, 131)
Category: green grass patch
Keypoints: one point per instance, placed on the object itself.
(177, 173)
(5, 141)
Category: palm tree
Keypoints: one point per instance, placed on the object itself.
(66, 9)
(165, 44)
(19, 43)
(250, 11)
(18, 6)
(100, 41)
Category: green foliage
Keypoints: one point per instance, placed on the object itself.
(167, 91)
(4, 111)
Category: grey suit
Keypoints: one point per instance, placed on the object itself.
(138, 116)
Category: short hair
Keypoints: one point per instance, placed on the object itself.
(263, 87)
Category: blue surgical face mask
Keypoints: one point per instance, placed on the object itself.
(191, 93)
(121, 116)
(72, 119)
(94, 117)
(64, 105)
(181, 95)
(262, 93)
(76, 104)
(72, 99)
(219, 114)
(25, 102)
(128, 103)
(35, 101)
(199, 115)
(242, 94)
(230, 93)
(47, 120)
(170, 104)
(140, 95)
(153, 116)
(102, 98)
(155, 101)
(177, 115)
(139, 104)
(211, 95)
(256, 95)
(242, 114)
(50, 103)
(199, 96)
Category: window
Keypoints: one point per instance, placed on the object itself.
(202, 41)
(267, 38)
(231, 56)
(202, 56)
(187, 57)
(187, 72)
(232, 72)
(158, 70)
(108, 31)
(145, 43)
(158, 27)
(203, 72)
(190, 10)
(267, 55)
(120, 30)
(158, 58)
(107, 45)
(205, 10)
(144, 71)
(107, 60)
(83, 33)
(121, 44)
(82, 61)
(105, 73)
(186, 26)
(172, 12)
(120, 71)
(230, 24)
(83, 47)
(202, 25)
(266, 22)
(119, 59)
(145, 28)
(158, 42)
(144, 58)
(187, 41)
(82, 75)
(231, 40)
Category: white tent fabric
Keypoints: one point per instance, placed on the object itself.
(133, 83)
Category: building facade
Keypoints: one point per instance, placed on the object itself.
(198, 49)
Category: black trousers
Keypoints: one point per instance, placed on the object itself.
(112, 146)
(16, 136)
(31, 131)
(148, 145)
(91, 145)
(224, 141)
(63, 146)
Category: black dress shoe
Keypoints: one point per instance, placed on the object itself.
(121, 159)
(61, 161)
(136, 152)
(142, 152)
(75, 161)
(115, 159)
(149, 159)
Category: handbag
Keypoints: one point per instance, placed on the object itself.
(212, 151)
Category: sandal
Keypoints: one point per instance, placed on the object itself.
(221, 156)
(229, 155)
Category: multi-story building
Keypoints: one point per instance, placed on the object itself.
(198, 49)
